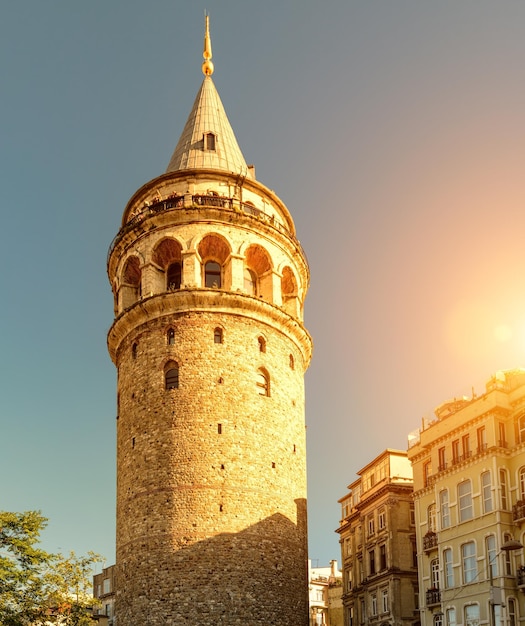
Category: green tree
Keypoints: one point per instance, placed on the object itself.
(37, 587)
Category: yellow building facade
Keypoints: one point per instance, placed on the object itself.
(469, 497)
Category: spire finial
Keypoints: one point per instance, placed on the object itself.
(207, 66)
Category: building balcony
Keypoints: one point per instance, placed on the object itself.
(430, 542)
(518, 510)
(433, 597)
(520, 578)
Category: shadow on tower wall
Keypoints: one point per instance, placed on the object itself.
(250, 578)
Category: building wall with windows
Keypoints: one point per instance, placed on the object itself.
(324, 595)
(469, 487)
(104, 591)
(378, 544)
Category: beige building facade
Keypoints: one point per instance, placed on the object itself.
(209, 282)
(325, 595)
(378, 545)
(469, 492)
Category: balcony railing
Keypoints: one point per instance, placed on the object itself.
(520, 577)
(177, 202)
(518, 510)
(433, 597)
(430, 541)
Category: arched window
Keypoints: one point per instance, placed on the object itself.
(167, 256)
(434, 573)
(212, 275)
(292, 362)
(171, 375)
(131, 282)
(522, 483)
(521, 429)
(465, 500)
(431, 518)
(262, 344)
(444, 508)
(173, 276)
(511, 611)
(170, 337)
(217, 335)
(468, 562)
(486, 492)
(503, 487)
(134, 349)
(250, 282)
(263, 382)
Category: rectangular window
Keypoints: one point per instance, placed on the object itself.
(503, 488)
(468, 560)
(381, 519)
(442, 463)
(372, 561)
(486, 492)
(472, 615)
(363, 611)
(382, 557)
(434, 573)
(412, 515)
(374, 604)
(384, 601)
(427, 472)
(371, 525)
(465, 440)
(444, 509)
(502, 439)
(106, 585)
(481, 436)
(448, 569)
(492, 561)
(455, 451)
(465, 501)
(451, 617)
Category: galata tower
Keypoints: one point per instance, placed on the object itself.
(209, 282)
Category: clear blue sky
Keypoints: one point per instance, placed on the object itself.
(393, 130)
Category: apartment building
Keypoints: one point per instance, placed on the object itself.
(469, 496)
(378, 544)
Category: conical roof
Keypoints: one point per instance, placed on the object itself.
(208, 141)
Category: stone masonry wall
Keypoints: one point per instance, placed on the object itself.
(211, 498)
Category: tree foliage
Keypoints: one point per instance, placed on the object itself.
(37, 587)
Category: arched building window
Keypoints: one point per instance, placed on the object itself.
(131, 282)
(250, 282)
(170, 337)
(262, 344)
(263, 382)
(215, 252)
(167, 256)
(171, 375)
(217, 335)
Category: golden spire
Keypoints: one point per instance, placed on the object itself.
(207, 66)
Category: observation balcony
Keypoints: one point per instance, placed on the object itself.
(195, 202)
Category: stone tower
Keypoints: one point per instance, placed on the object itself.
(209, 282)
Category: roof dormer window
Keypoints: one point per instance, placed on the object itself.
(209, 141)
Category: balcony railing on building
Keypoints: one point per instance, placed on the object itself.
(430, 541)
(433, 597)
(518, 510)
(520, 578)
